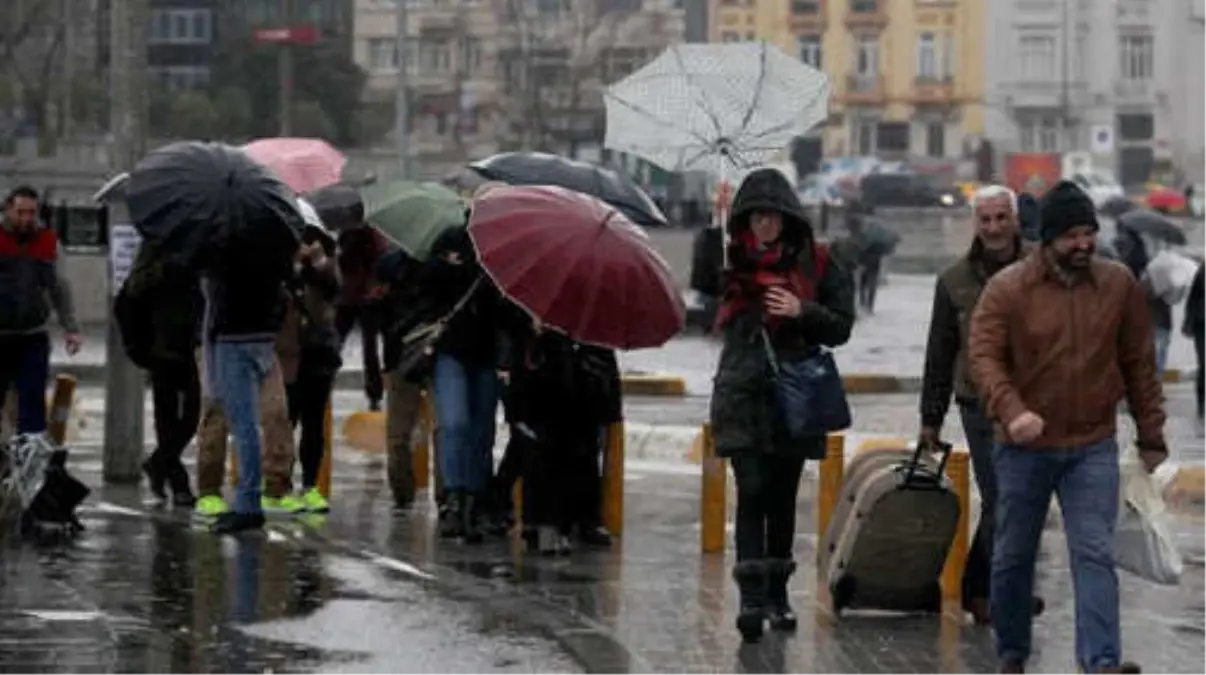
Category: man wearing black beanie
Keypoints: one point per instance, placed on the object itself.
(1057, 341)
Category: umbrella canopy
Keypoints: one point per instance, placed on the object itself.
(1152, 224)
(577, 265)
(304, 164)
(715, 107)
(413, 215)
(340, 206)
(538, 168)
(191, 197)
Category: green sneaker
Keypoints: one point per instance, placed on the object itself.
(211, 506)
(314, 501)
(288, 505)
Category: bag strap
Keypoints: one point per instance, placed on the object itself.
(820, 263)
(437, 327)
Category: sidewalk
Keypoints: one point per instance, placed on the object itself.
(652, 604)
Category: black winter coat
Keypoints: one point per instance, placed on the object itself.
(743, 407)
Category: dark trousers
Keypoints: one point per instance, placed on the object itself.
(347, 316)
(176, 393)
(1197, 384)
(767, 485)
(561, 481)
(977, 577)
(868, 284)
(25, 363)
(308, 398)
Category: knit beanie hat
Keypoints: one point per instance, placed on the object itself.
(1064, 207)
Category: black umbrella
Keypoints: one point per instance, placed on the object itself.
(1152, 224)
(538, 168)
(1116, 206)
(190, 199)
(340, 206)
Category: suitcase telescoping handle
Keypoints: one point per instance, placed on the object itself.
(916, 477)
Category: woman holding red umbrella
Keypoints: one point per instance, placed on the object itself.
(784, 295)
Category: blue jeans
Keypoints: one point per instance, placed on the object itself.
(25, 365)
(1163, 339)
(466, 401)
(239, 370)
(1085, 480)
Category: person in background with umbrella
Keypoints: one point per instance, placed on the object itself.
(245, 304)
(360, 247)
(308, 348)
(158, 312)
(775, 284)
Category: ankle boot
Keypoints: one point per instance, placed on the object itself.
(778, 609)
(470, 529)
(751, 582)
(453, 523)
(178, 480)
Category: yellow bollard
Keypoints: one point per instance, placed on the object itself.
(517, 504)
(613, 480)
(420, 458)
(711, 496)
(829, 485)
(328, 447)
(958, 470)
(232, 461)
(59, 411)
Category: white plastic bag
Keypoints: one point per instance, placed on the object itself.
(1143, 544)
(1170, 274)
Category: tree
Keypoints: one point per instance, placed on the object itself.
(31, 45)
(193, 115)
(323, 74)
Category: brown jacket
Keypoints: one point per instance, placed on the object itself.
(1068, 350)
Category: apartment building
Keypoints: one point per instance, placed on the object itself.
(1122, 80)
(487, 75)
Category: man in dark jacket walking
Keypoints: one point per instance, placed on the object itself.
(360, 247)
(245, 305)
(997, 245)
(30, 287)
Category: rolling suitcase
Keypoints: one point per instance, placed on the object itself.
(891, 532)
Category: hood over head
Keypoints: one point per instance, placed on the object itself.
(767, 189)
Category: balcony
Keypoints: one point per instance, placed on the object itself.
(866, 15)
(436, 20)
(934, 91)
(864, 90)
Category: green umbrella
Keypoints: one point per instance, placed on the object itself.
(412, 214)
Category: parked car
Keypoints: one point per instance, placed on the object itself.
(908, 189)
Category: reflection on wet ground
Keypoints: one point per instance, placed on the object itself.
(367, 590)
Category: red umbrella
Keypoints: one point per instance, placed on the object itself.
(577, 265)
(304, 164)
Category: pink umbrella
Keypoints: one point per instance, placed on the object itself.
(304, 164)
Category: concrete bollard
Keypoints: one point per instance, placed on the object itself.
(829, 485)
(328, 447)
(59, 411)
(958, 469)
(613, 479)
(712, 494)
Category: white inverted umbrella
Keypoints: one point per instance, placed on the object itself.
(715, 107)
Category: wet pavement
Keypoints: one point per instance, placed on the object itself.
(365, 590)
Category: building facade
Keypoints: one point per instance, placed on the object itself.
(907, 75)
(489, 75)
(1122, 80)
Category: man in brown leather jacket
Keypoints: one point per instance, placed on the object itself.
(1057, 341)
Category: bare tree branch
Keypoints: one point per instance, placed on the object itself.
(13, 40)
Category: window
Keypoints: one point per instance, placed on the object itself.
(181, 26)
(863, 6)
(730, 36)
(892, 136)
(1039, 133)
(946, 64)
(383, 54)
(863, 142)
(805, 7)
(809, 47)
(1080, 55)
(1137, 59)
(927, 57)
(935, 139)
(434, 57)
(470, 55)
(1037, 57)
(181, 77)
(866, 56)
(1136, 127)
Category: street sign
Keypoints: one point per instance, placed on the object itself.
(1102, 140)
(301, 34)
(123, 248)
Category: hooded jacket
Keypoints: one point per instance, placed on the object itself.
(744, 406)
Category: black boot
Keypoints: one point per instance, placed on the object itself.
(751, 581)
(778, 609)
(156, 476)
(470, 526)
(452, 525)
(182, 493)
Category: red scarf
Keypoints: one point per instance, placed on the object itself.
(746, 288)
